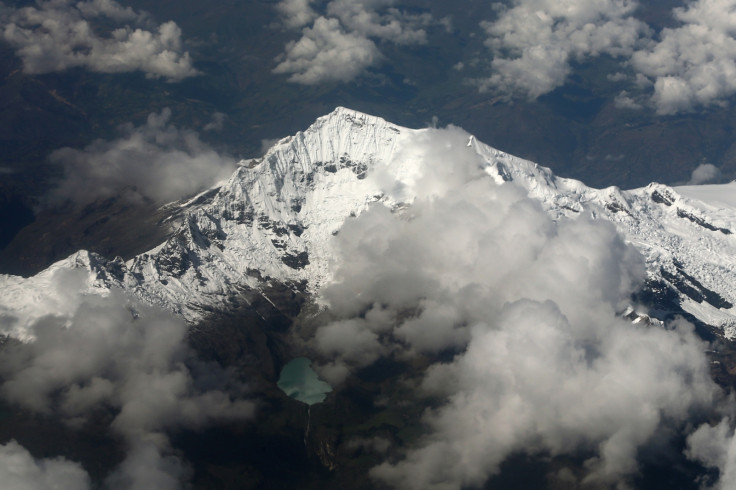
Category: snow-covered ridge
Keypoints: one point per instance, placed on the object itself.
(686, 234)
(275, 217)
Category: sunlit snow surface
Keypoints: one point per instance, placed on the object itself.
(276, 216)
(720, 196)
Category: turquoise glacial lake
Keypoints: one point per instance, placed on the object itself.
(299, 381)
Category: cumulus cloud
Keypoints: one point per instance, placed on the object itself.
(377, 19)
(296, 13)
(60, 34)
(534, 41)
(692, 65)
(156, 160)
(20, 471)
(341, 44)
(116, 355)
(116, 352)
(531, 383)
(326, 52)
(704, 173)
(528, 305)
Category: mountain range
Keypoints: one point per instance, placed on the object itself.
(275, 216)
(476, 315)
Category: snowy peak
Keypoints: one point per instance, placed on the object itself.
(342, 139)
(274, 218)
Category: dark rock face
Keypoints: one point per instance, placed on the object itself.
(504, 172)
(694, 289)
(701, 222)
(298, 261)
(617, 207)
(663, 198)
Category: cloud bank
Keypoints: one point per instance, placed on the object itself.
(156, 160)
(60, 34)
(543, 364)
(341, 44)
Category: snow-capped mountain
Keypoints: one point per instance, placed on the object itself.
(275, 216)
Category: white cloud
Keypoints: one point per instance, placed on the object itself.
(131, 359)
(704, 173)
(529, 382)
(326, 52)
(624, 101)
(534, 41)
(57, 35)
(715, 447)
(296, 13)
(363, 18)
(341, 44)
(108, 8)
(105, 354)
(156, 160)
(20, 471)
(543, 365)
(694, 64)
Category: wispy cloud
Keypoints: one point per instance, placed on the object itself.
(704, 174)
(156, 160)
(715, 446)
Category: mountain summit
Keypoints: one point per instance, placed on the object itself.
(276, 218)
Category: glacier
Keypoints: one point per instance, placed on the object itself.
(274, 219)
